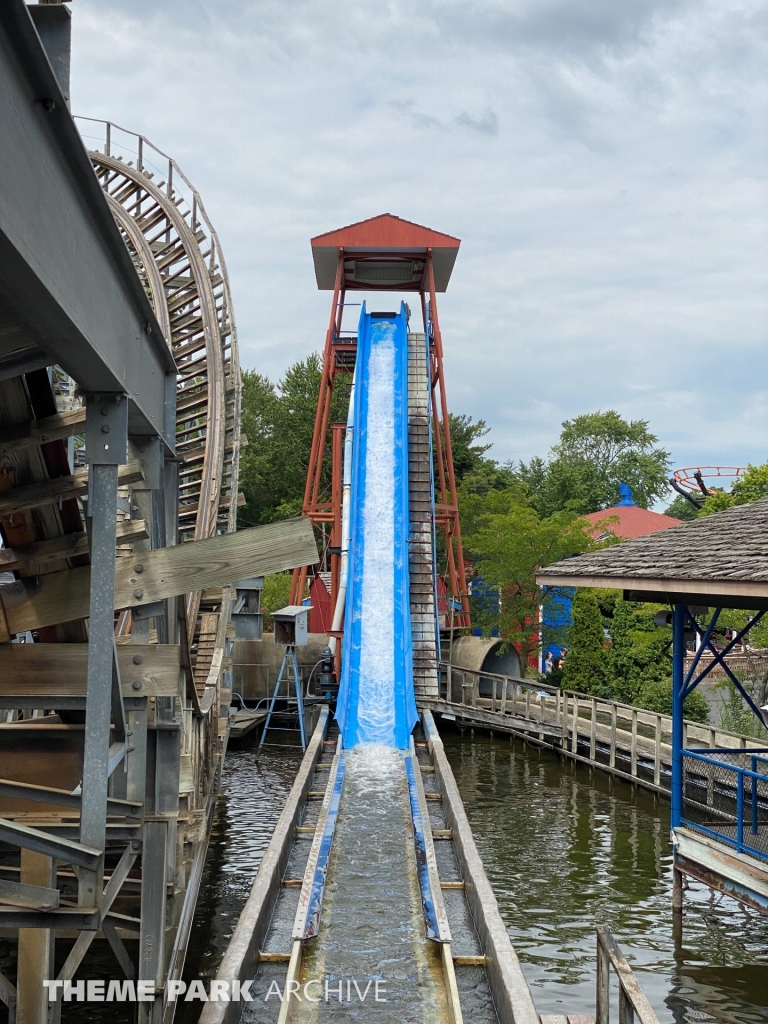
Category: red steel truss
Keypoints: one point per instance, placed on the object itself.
(387, 240)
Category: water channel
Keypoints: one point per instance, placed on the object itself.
(565, 848)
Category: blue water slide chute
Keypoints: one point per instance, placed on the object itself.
(376, 702)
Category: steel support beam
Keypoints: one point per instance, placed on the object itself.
(106, 438)
(678, 694)
(68, 279)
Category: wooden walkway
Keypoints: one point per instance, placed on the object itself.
(627, 742)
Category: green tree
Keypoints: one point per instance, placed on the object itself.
(596, 452)
(508, 542)
(639, 651)
(279, 422)
(585, 665)
(681, 508)
(468, 452)
(749, 487)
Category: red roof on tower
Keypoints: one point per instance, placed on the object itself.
(386, 253)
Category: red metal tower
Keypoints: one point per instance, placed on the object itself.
(383, 254)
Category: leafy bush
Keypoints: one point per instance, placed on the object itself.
(275, 595)
(736, 716)
(656, 695)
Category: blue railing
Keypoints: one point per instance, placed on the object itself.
(729, 787)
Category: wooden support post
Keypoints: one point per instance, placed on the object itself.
(626, 1012)
(603, 993)
(677, 908)
(475, 690)
(677, 887)
(657, 753)
(575, 731)
(633, 741)
(35, 946)
(528, 702)
(514, 699)
(593, 730)
(504, 685)
(612, 761)
(494, 684)
(564, 719)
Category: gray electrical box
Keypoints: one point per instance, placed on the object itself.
(246, 609)
(292, 625)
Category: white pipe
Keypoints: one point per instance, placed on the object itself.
(346, 495)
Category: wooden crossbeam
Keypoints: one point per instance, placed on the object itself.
(52, 428)
(151, 576)
(60, 670)
(46, 492)
(57, 549)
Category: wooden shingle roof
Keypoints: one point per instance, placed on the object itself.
(720, 559)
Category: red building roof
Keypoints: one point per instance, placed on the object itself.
(380, 249)
(632, 521)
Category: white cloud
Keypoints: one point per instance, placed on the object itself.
(602, 162)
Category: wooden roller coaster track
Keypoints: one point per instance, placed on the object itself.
(171, 654)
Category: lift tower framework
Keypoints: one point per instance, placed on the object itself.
(390, 255)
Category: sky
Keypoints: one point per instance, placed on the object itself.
(602, 161)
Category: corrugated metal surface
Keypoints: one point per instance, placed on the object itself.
(421, 554)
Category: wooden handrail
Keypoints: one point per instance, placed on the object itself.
(632, 1000)
(695, 730)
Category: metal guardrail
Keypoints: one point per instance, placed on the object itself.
(732, 787)
(632, 1001)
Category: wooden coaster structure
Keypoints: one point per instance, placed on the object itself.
(119, 442)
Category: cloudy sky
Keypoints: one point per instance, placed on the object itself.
(602, 161)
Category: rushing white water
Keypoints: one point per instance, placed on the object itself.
(376, 709)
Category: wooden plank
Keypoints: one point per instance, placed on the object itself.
(627, 980)
(165, 572)
(61, 669)
(52, 428)
(57, 549)
(46, 492)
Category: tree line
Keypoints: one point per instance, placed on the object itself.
(516, 517)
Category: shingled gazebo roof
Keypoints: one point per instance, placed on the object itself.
(719, 560)
(384, 253)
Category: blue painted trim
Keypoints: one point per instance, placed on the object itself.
(312, 922)
(431, 925)
(678, 669)
(745, 847)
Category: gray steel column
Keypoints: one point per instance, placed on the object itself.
(106, 448)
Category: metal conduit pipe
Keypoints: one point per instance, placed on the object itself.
(341, 597)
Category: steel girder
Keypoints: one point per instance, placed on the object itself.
(67, 282)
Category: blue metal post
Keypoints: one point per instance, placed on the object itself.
(678, 676)
(740, 811)
(753, 786)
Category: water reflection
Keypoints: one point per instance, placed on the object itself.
(253, 793)
(566, 848)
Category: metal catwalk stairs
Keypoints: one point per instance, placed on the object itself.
(421, 553)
